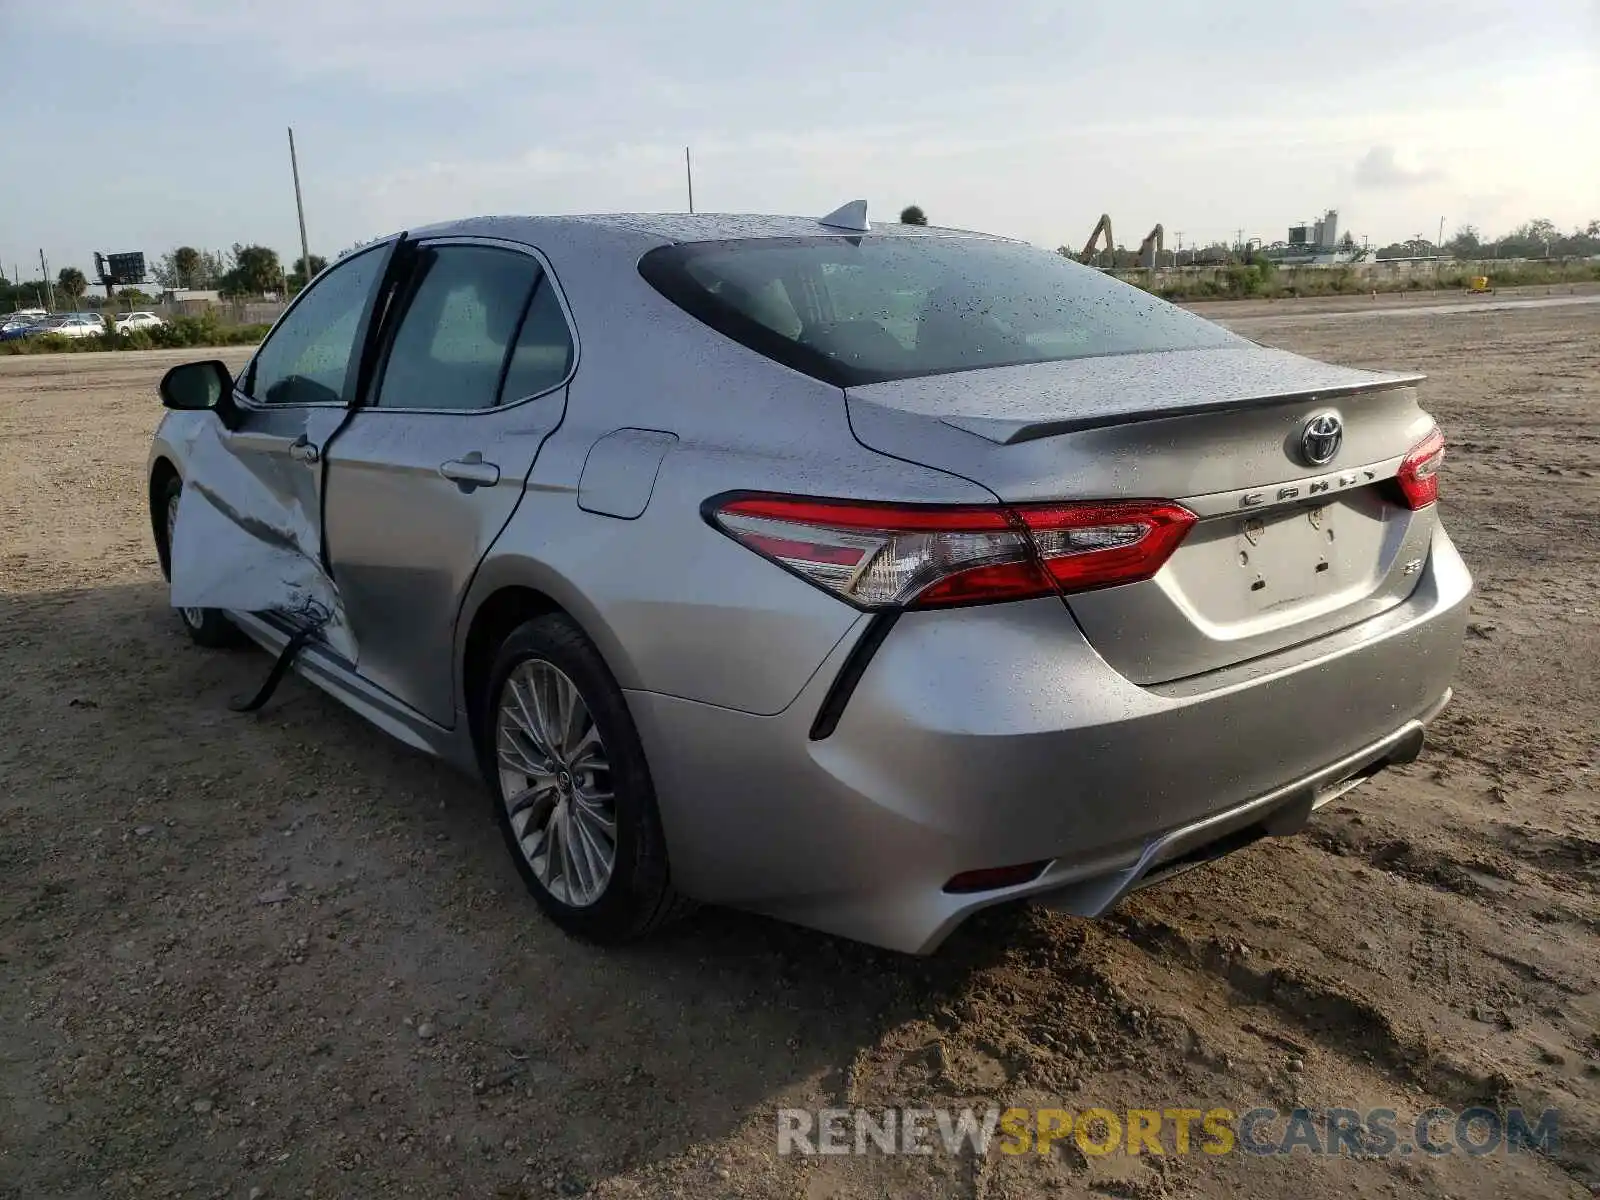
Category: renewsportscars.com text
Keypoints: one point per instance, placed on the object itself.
(1176, 1130)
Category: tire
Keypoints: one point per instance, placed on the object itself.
(560, 801)
(208, 627)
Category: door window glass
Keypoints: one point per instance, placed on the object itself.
(543, 353)
(308, 356)
(451, 345)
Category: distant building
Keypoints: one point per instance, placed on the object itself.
(1319, 235)
(1325, 233)
(1316, 243)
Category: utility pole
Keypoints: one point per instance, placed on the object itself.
(688, 174)
(50, 291)
(1439, 245)
(300, 210)
(1180, 239)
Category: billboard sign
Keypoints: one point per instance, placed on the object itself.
(123, 268)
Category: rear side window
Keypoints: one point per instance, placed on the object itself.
(450, 349)
(543, 353)
(857, 310)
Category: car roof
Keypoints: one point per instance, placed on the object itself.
(596, 255)
(642, 231)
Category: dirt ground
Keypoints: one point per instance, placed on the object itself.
(1385, 303)
(280, 955)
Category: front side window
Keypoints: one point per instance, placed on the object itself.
(310, 354)
(857, 310)
(450, 349)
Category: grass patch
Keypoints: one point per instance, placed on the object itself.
(177, 334)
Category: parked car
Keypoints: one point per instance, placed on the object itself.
(129, 322)
(861, 575)
(21, 325)
(73, 325)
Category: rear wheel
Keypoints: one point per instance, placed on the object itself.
(571, 788)
(208, 627)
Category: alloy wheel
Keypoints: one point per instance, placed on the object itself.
(555, 782)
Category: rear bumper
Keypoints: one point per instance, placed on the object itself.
(993, 736)
(1284, 810)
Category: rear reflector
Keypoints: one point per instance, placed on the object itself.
(923, 556)
(993, 878)
(1419, 471)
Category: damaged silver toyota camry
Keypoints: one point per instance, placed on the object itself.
(862, 575)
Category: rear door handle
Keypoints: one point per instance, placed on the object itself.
(470, 472)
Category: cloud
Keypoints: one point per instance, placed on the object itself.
(409, 47)
(1380, 167)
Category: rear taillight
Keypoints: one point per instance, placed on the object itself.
(1419, 471)
(921, 556)
(1085, 546)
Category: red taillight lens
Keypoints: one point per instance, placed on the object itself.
(921, 556)
(1087, 546)
(1419, 471)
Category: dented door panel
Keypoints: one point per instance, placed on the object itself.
(248, 536)
(248, 533)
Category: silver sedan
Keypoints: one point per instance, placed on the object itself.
(863, 575)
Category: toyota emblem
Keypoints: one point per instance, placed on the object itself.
(1321, 438)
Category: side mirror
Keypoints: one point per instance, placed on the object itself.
(201, 387)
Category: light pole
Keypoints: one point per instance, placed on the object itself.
(300, 210)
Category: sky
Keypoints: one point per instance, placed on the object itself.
(148, 124)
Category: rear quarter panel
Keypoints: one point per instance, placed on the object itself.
(675, 606)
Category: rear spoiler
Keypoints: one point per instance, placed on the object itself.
(1012, 404)
(1032, 430)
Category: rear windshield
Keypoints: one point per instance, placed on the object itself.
(856, 310)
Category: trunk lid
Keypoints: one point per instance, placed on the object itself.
(1286, 549)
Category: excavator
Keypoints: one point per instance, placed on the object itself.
(1153, 244)
(1103, 225)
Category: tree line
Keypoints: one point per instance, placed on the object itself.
(246, 271)
(240, 272)
(1538, 238)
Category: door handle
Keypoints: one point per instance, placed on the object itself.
(255, 442)
(470, 472)
(304, 450)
